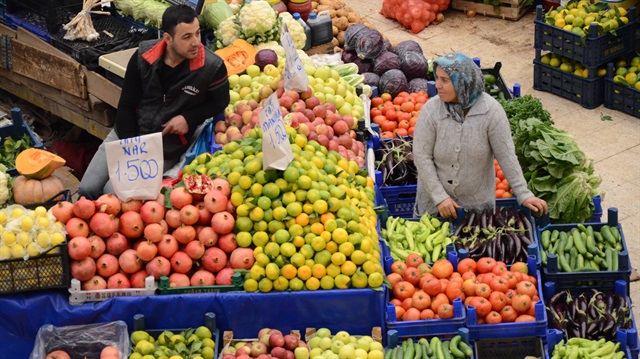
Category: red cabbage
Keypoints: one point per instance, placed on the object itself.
(393, 82)
(371, 78)
(414, 65)
(363, 65)
(349, 56)
(352, 35)
(385, 62)
(369, 46)
(406, 46)
(387, 46)
(418, 84)
(265, 57)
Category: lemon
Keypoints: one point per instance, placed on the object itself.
(57, 238)
(5, 252)
(8, 237)
(17, 251)
(23, 238)
(26, 223)
(3, 217)
(32, 250)
(17, 213)
(555, 62)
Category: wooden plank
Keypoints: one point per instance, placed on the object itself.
(50, 99)
(63, 74)
(31, 39)
(507, 10)
(102, 88)
(6, 30)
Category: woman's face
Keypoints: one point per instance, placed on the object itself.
(445, 88)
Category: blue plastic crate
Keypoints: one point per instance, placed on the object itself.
(512, 330)
(627, 336)
(40, 30)
(434, 327)
(400, 199)
(16, 131)
(393, 339)
(604, 280)
(619, 96)
(591, 51)
(589, 93)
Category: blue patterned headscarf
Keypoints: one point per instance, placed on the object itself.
(467, 80)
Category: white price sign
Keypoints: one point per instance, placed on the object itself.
(136, 166)
(276, 148)
(295, 77)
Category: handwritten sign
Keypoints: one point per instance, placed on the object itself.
(276, 148)
(295, 77)
(136, 166)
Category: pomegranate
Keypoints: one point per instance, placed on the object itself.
(77, 227)
(152, 212)
(116, 244)
(180, 197)
(95, 283)
(153, 232)
(224, 276)
(63, 211)
(204, 216)
(83, 270)
(214, 259)
(79, 248)
(227, 242)
(189, 214)
(129, 261)
(242, 258)
(158, 267)
(103, 224)
(177, 280)
(118, 281)
(195, 249)
(222, 185)
(184, 234)
(181, 262)
(131, 225)
(202, 278)
(109, 204)
(231, 208)
(97, 246)
(198, 185)
(131, 205)
(223, 222)
(84, 208)
(172, 217)
(167, 246)
(146, 250)
(107, 265)
(215, 201)
(208, 237)
(58, 354)
(137, 279)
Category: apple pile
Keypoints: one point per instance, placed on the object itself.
(421, 292)
(271, 343)
(108, 352)
(117, 244)
(342, 345)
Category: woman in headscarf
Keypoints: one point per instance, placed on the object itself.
(458, 134)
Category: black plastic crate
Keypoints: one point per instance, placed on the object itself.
(509, 348)
(619, 96)
(591, 51)
(589, 93)
(502, 85)
(50, 270)
(56, 12)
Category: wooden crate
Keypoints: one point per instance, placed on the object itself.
(506, 10)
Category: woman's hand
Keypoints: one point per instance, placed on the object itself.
(177, 126)
(447, 208)
(536, 204)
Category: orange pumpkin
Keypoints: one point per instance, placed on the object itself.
(29, 191)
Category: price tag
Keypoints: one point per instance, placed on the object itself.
(295, 77)
(136, 166)
(276, 149)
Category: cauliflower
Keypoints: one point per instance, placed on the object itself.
(5, 186)
(296, 30)
(272, 45)
(226, 33)
(306, 60)
(256, 18)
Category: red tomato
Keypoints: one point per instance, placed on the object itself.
(421, 300)
(526, 287)
(483, 290)
(508, 314)
(445, 311)
(482, 305)
(511, 293)
(403, 290)
(493, 318)
(525, 318)
(521, 303)
(399, 267)
(466, 265)
(498, 300)
(499, 284)
(510, 278)
(486, 264)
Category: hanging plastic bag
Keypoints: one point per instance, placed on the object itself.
(81, 341)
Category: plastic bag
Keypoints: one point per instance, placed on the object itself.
(414, 14)
(81, 341)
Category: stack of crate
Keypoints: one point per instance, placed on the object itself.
(593, 51)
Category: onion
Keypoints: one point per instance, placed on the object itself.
(471, 13)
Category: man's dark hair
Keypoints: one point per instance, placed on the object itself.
(176, 14)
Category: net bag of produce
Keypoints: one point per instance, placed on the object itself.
(414, 14)
(82, 341)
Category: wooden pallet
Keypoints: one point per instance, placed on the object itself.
(507, 10)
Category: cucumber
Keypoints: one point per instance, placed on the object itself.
(389, 353)
(465, 349)
(453, 347)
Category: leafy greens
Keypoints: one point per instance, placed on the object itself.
(522, 108)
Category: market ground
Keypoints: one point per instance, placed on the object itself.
(614, 145)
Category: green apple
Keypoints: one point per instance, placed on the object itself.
(325, 343)
(341, 89)
(345, 109)
(329, 90)
(332, 83)
(327, 353)
(314, 342)
(335, 75)
(347, 352)
(350, 98)
(363, 344)
(361, 353)
(323, 333)
(324, 72)
(333, 356)
(253, 70)
(233, 80)
(318, 88)
(352, 341)
(301, 353)
(320, 96)
(315, 352)
(233, 97)
(329, 97)
(376, 346)
(310, 70)
(336, 345)
(244, 80)
(255, 86)
(339, 101)
(376, 354)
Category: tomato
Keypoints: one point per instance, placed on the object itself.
(407, 106)
(427, 314)
(402, 132)
(412, 275)
(493, 318)
(432, 287)
(508, 314)
(386, 97)
(453, 290)
(483, 290)
(413, 121)
(407, 303)
(445, 311)
(521, 303)
(443, 284)
(403, 94)
(525, 318)
(500, 193)
(467, 300)
(411, 314)
(526, 287)
(376, 101)
(486, 264)
(391, 114)
(399, 312)
(424, 277)
(468, 275)
(498, 300)
(404, 116)
(532, 308)
(438, 300)
(418, 106)
(499, 284)
(520, 267)
(403, 290)
(499, 268)
(388, 134)
(442, 269)
(411, 131)
(420, 300)
(467, 265)
(414, 260)
(487, 278)
(398, 267)
(388, 126)
(507, 195)
(510, 278)
(500, 174)
(532, 279)
(398, 100)
(404, 124)
(511, 293)
(469, 287)
(482, 305)
(394, 278)
(421, 98)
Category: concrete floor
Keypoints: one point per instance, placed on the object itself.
(613, 145)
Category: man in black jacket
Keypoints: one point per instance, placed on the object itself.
(172, 85)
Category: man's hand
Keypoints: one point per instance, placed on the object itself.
(177, 126)
(447, 208)
(536, 204)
